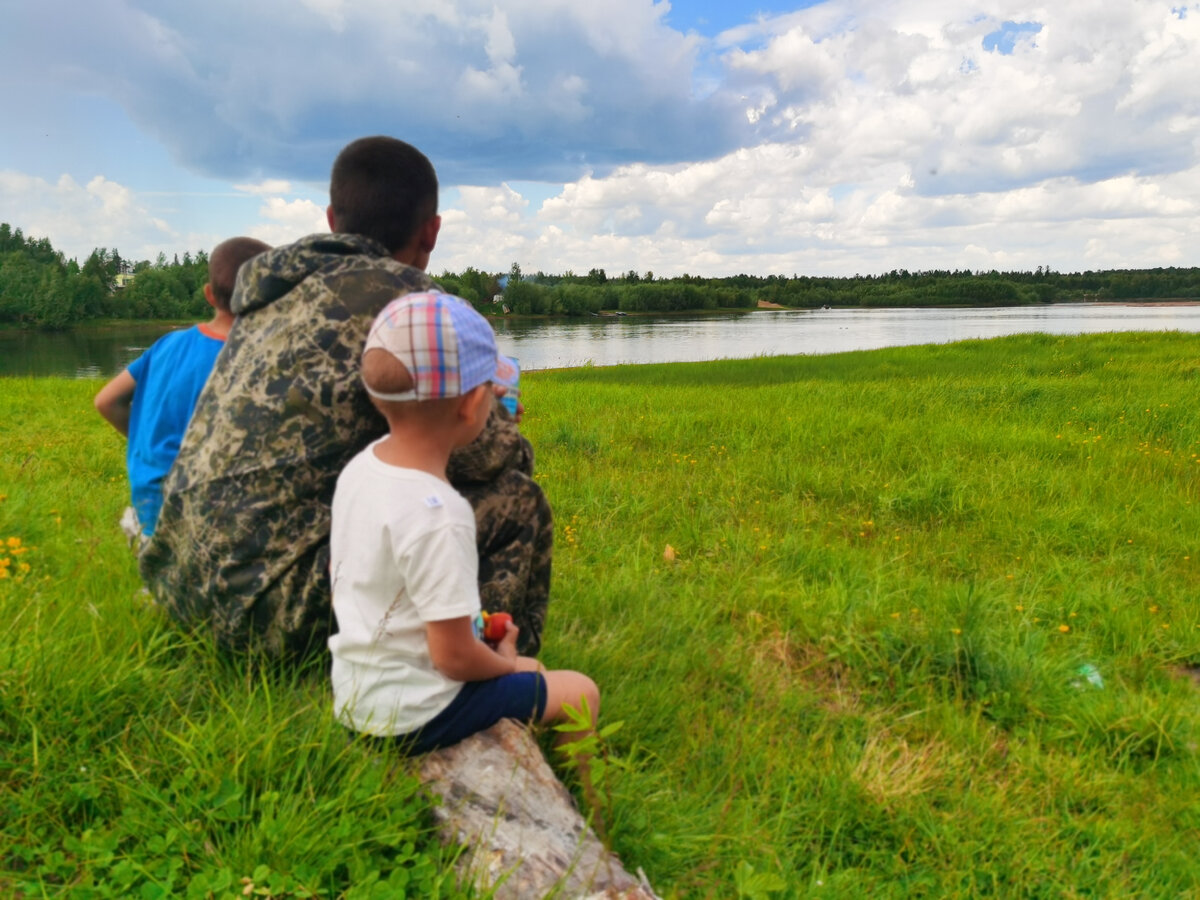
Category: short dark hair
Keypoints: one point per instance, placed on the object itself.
(384, 189)
(223, 264)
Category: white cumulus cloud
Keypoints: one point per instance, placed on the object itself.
(79, 218)
(848, 136)
(263, 188)
(288, 220)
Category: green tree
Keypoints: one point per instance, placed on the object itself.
(155, 294)
(102, 267)
(53, 306)
(18, 287)
(526, 298)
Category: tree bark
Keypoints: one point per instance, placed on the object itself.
(523, 833)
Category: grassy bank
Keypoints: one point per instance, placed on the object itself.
(857, 674)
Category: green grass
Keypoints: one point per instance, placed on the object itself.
(856, 677)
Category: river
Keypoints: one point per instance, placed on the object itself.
(563, 343)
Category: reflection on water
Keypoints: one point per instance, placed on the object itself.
(82, 353)
(605, 342)
(91, 353)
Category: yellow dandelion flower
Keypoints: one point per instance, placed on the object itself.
(1019, 608)
(3, 574)
(1064, 628)
(13, 542)
(23, 568)
(956, 631)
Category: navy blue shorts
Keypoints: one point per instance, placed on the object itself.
(479, 706)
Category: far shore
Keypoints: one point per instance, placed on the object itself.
(115, 324)
(1142, 302)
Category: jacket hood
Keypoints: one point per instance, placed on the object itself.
(271, 275)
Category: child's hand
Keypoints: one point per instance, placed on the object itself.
(508, 644)
(500, 390)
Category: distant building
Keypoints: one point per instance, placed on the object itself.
(122, 279)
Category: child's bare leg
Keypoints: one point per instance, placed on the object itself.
(566, 688)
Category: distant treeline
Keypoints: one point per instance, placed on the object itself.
(571, 294)
(39, 287)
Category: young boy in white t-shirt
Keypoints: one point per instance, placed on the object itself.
(408, 663)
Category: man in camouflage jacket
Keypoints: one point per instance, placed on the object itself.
(242, 543)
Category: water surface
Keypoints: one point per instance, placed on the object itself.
(562, 343)
(605, 342)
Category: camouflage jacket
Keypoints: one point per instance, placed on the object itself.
(241, 544)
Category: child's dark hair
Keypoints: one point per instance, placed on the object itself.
(227, 257)
(384, 189)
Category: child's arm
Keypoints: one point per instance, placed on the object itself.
(458, 654)
(115, 399)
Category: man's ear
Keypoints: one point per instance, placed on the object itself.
(419, 247)
(329, 217)
(208, 295)
(428, 234)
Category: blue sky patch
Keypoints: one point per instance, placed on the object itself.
(1005, 38)
(711, 17)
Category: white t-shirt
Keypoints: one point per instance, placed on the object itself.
(402, 553)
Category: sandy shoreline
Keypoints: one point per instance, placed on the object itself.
(1141, 303)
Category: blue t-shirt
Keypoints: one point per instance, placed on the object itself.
(169, 377)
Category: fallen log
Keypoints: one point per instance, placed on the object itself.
(523, 834)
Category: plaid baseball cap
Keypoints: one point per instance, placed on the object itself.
(447, 347)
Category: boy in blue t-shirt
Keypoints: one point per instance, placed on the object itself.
(151, 402)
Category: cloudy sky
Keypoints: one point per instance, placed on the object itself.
(694, 136)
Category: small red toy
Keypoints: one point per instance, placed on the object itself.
(495, 625)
